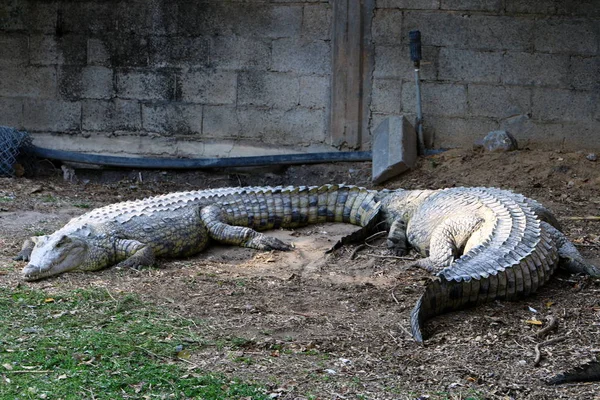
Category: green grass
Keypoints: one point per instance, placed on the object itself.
(89, 344)
(82, 205)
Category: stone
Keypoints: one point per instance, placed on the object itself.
(498, 141)
(394, 148)
(592, 157)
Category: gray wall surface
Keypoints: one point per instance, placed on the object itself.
(257, 73)
(530, 67)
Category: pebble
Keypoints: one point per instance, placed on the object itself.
(592, 157)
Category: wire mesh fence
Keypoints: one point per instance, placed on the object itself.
(12, 144)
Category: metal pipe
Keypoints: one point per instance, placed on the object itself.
(415, 56)
(199, 163)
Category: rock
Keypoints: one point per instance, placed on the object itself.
(592, 157)
(499, 141)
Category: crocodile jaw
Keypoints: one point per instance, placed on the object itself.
(55, 255)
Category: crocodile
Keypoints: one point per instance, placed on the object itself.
(135, 233)
(481, 244)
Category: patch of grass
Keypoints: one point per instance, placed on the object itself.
(6, 199)
(48, 199)
(82, 205)
(90, 344)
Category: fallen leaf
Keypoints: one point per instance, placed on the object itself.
(184, 354)
(8, 366)
(49, 300)
(63, 376)
(549, 304)
(533, 322)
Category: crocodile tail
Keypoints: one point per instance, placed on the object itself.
(588, 372)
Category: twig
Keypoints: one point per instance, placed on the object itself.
(552, 324)
(538, 353)
(587, 245)
(356, 250)
(394, 257)
(394, 296)
(586, 218)
(376, 236)
(405, 330)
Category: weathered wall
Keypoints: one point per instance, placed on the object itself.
(531, 67)
(223, 71)
(221, 77)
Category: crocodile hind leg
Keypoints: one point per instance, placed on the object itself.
(570, 258)
(448, 241)
(212, 217)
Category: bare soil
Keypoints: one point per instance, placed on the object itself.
(335, 326)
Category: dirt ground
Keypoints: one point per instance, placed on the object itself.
(333, 326)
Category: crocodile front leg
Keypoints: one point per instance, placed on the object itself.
(134, 254)
(396, 240)
(27, 248)
(449, 241)
(212, 217)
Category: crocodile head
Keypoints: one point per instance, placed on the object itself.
(55, 254)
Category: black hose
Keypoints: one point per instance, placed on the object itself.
(198, 163)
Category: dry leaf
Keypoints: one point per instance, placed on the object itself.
(8, 366)
(533, 322)
(49, 300)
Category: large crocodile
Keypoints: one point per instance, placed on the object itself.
(481, 243)
(134, 233)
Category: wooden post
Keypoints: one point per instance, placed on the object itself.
(351, 72)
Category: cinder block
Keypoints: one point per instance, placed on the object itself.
(172, 118)
(584, 73)
(317, 20)
(294, 55)
(208, 86)
(298, 127)
(97, 52)
(395, 62)
(49, 50)
(474, 5)
(13, 50)
(127, 50)
(437, 99)
(167, 51)
(498, 101)
(278, 127)
(546, 7)
(146, 84)
(563, 105)
(75, 83)
(269, 89)
(386, 96)
(235, 52)
(470, 66)
(221, 122)
(87, 17)
(315, 91)
(535, 69)
(452, 132)
(110, 116)
(394, 148)
(52, 115)
(386, 27)
(158, 17)
(409, 4)
(38, 82)
(11, 112)
(572, 36)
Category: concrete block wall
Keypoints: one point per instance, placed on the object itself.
(250, 72)
(531, 67)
